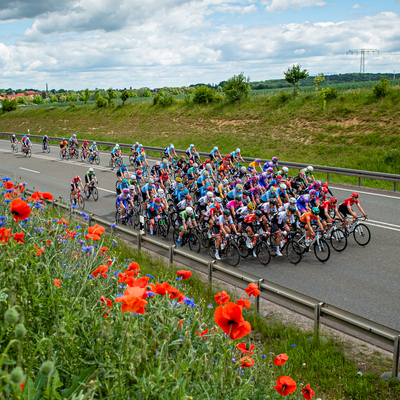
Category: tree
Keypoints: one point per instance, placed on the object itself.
(237, 88)
(8, 105)
(110, 96)
(133, 94)
(86, 96)
(101, 101)
(37, 100)
(294, 76)
(318, 80)
(381, 89)
(21, 100)
(203, 95)
(146, 93)
(125, 96)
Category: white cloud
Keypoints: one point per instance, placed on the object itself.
(232, 9)
(278, 6)
(357, 6)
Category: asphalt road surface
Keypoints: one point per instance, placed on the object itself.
(361, 280)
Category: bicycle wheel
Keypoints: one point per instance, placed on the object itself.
(48, 148)
(66, 155)
(212, 249)
(294, 252)
(81, 202)
(76, 154)
(263, 254)
(272, 245)
(338, 240)
(29, 153)
(205, 241)
(97, 159)
(362, 234)
(111, 165)
(131, 160)
(175, 235)
(322, 251)
(95, 193)
(232, 254)
(244, 251)
(194, 243)
(161, 231)
(135, 218)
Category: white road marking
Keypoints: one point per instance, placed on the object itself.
(384, 227)
(30, 170)
(107, 190)
(384, 223)
(371, 194)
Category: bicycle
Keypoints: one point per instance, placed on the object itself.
(73, 152)
(14, 147)
(92, 191)
(360, 231)
(84, 155)
(64, 154)
(260, 247)
(46, 147)
(160, 226)
(321, 247)
(190, 237)
(132, 159)
(117, 163)
(130, 218)
(94, 157)
(77, 198)
(228, 248)
(27, 152)
(337, 237)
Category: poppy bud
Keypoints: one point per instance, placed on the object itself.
(17, 374)
(229, 371)
(207, 376)
(20, 331)
(10, 264)
(187, 343)
(46, 368)
(238, 381)
(11, 316)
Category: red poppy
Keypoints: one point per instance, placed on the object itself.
(180, 323)
(96, 229)
(18, 237)
(174, 293)
(20, 209)
(243, 303)
(132, 282)
(133, 266)
(308, 393)
(5, 234)
(100, 270)
(37, 195)
(222, 297)
(63, 221)
(252, 290)
(243, 348)
(247, 362)
(92, 236)
(103, 250)
(202, 334)
(108, 303)
(57, 282)
(229, 318)
(47, 196)
(8, 185)
(285, 385)
(133, 300)
(39, 251)
(162, 288)
(184, 274)
(22, 385)
(181, 297)
(281, 359)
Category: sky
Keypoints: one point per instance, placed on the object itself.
(74, 44)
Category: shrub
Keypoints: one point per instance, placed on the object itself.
(146, 93)
(237, 88)
(203, 95)
(163, 100)
(62, 99)
(283, 97)
(381, 89)
(125, 96)
(37, 100)
(101, 102)
(21, 100)
(8, 105)
(329, 93)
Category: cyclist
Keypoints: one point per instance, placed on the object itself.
(270, 193)
(123, 200)
(241, 173)
(73, 143)
(236, 157)
(63, 146)
(89, 177)
(253, 165)
(222, 188)
(26, 144)
(308, 174)
(345, 208)
(280, 222)
(156, 170)
(234, 205)
(249, 226)
(244, 211)
(324, 208)
(141, 161)
(148, 191)
(75, 184)
(190, 151)
(235, 192)
(284, 173)
(169, 152)
(203, 180)
(85, 149)
(215, 155)
(223, 225)
(299, 182)
(122, 172)
(134, 149)
(164, 179)
(45, 142)
(186, 219)
(282, 194)
(192, 173)
(275, 163)
(165, 166)
(115, 153)
(13, 140)
(306, 220)
(302, 202)
(153, 212)
(93, 149)
(269, 208)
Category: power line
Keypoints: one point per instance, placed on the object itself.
(363, 52)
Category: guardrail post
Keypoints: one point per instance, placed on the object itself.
(171, 255)
(317, 319)
(359, 181)
(258, 297)
(141, 225)
(210, 272)
(139, 241)
(396, 354)
(395, 187)
(90, 220)
(327, 177)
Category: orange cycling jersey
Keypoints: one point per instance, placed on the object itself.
(308, 216)
(223, 167)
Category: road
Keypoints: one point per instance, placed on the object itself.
(364, 281)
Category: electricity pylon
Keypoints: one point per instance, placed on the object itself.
(362, 52)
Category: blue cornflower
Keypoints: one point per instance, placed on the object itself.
(115, 243)
(179, 286)
(22, 224)
(9, 190)
(233, 360)
(113, 225)
(210, 306)
(150, 294)
(85, 217)
(189, 302)
(3, 218)
(294, 345)
(262, 356)
(150, 276)
(178, 279)
(2, 223)
(7, 201)
(118, 295)
(5, 179)
(77, 227)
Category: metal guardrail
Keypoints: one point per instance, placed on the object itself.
(371, 329)
(317, 168)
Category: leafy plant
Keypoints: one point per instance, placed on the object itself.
(125, 96)
(237, 88)
(101, 102)
(8, 105)
(203, 95)
(294, 75)
(381, 89)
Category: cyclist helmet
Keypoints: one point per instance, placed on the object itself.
(210, 195)
(257, 189)
(140, 145)
(189, 210)
(278, 177)
(275, 159)
(74, 135)
(270, 170)
(91, 170)
(124, 165)
(126, 191)
(325, 190)
(180, 186)
(257, 160)
(217, 206)
(207, 160)
(131, 187)
(137, 144)
(209, 188)
(227, 212)
(183, 157)
(158, 163)
(13, 136)
(301, 173)
(238, 198)
(157, 200)
(355, 195)
(117, 146)
(94, 143)
(243, 169)
(139, 172)
(76, 177)
(292, 209)
(165, 161)
(251, 206)
(63, 138)
(256, 178)
(124, 181)
(315, 210)
(178, 179)
(218, 200)
(172, 146)
(245, 193)
(151, 180)
(215, 148)
(313, 192)
(239, 186)
(318, 183)
(238, 151)
(225, 182)
(165, 172)
(227, 156)
(205, 173)
(160, 191)
(270, 164)
(259, 213)
(192, 145)
(292, 200)
(186, 191)
(333, 199)
(191, 162)
(310, 168)
(282, 186)
(195, 165)
(208, 165)
(285, 170)
(273, 201)
(272, 189)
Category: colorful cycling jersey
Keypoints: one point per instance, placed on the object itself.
(75, 180)
(93, 148)
(184, 203)
(281, 192)
(190, 150)
(214, 152)
(282, 217)
(203, 200)
(203, 191)
(268, 195)
(122, 170)
(13, 139)
(308, 217)
(115, 150)
(254, 164)
(122, 186)
(211, 212)
(306, 171)
(349, 202)
(221, 220)
(140, 157)
(302, 201)
(192, 172)
(164, 166)
(235, 154)
(184, 216)
(168, 150)
(243, 212)
(147, 187)
(327, 205)
(155, 170)
(275, 183)
(45, 139)
(234, 204)
(154, 208)
(90, 175)
(123, 198)
(263, 180)
(268, 208)
(231, 194)
(284, 175)
(178, 194)
(202, 178)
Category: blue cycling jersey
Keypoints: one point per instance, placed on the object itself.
(147, 187)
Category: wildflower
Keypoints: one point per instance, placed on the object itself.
(134, 267)
(20, 209)
(62, 221)
(229, 318)
(281, 359)
(18, 237)
(285, 385)
(243, 303)
(202, 334)
(180, 323)
(173, 293)
(47, 196)
(57, 282)
(189, 302)
(39, 251)
(133, 300)
(252, 290)
(103, 250)
(114, 242)
(222, 297)
(263, 356)
(210, 306)
(108, 303)
(37, 195)
(308, 393)
(247, 362)
(8, 185)
(162, 288)
(5, 234)
(100, 270)
(184, 274)
(95, 232)
(243, 348)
